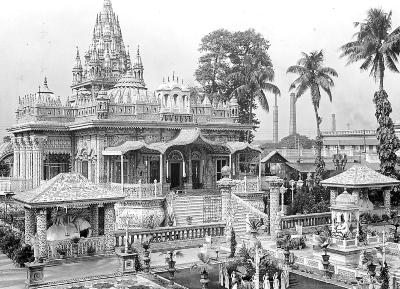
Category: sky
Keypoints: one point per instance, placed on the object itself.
(39, 38)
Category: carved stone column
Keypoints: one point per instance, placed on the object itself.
(37, 153)
(109, 220)
(101, 145)
(28, 158)
(333, 197)
(94, 219)
(387, 198)
(41, 227)
(22, 157)
(29, 224)
(16, 157)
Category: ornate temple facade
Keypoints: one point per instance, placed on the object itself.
(113, 129)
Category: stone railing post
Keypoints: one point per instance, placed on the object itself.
(245, 184)
(274, 193)
(155, 188)
(140, 189)
(225, 186)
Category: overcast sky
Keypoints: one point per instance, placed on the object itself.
(38, 38)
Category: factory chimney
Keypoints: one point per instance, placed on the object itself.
(333, 122)
(292, 116)
(275, 121)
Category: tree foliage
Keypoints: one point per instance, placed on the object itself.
(4, 169)
(237, 63)
(378, 48)
(292, 141)
(313, 76)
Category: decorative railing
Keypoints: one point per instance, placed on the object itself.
(308, 220)
(96, 243)
(167, 234)
(247, 185)
(15, 185)
(139, 190)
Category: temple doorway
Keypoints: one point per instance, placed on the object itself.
(196, 174)
(154, 171)
(175, 175)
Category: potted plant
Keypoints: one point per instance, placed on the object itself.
(91, 250)
(203, 265)
(62, 252)
(189, 220)
(368, 260)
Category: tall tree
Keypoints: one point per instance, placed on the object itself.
(237, 64)
(313, 76)
(378, 48)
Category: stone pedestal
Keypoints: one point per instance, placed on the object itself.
(126, 263)
(348, 256)
(109, 221)
(35, 274)
(225, 187)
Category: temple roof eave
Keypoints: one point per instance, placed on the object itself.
(69, 204)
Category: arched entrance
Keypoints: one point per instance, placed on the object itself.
(176, 162)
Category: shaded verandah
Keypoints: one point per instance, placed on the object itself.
(189, 161)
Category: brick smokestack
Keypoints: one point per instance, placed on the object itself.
(333, 122)
(275, 121)
(292, 116)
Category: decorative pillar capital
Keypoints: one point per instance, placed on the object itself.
(20, 141)
(27, 141)
(37, 141)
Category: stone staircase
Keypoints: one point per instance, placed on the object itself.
(188, 205)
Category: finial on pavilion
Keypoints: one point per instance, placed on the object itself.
(163, 79)
(138, 50)
(45, 81)
(173, 75)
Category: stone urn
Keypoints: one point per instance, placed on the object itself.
(325, 263)
(204, 279)
(286, 253)
(171, 271)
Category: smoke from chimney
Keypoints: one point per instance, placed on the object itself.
(292, 115)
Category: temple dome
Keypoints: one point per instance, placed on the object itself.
(345, 199)
(129, 89)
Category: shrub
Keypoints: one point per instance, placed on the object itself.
(61, 251)
(385, 218)
(233, 243)
(75, 240)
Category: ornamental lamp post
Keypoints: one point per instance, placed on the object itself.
(292, 186)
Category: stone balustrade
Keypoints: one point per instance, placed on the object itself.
(97, 243)
(167, 234)
(306, 220)
(247, 185)
(139, 190)
(15, 185)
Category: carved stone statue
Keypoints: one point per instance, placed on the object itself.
(276, 281)
(266, 284)
(35, 245)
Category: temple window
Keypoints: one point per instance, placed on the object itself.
(220, 163)
(244, 163)
(175, 99)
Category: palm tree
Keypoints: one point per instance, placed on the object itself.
(375, 45)
(254, 79)
(313, 76)
(378, 48)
